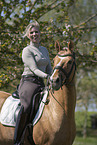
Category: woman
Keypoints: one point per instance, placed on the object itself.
(37, 67)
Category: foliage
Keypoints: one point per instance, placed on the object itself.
(79, 118)
(91, 133)
(86, 90)
(59, 20)
(86, 87)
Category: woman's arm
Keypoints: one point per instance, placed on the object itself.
(28, 59)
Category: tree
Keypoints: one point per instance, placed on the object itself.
(58, 21)
(86, 94)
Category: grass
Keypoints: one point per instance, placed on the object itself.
(91, 138)
(85, 141)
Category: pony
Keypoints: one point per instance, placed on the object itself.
(57, 123)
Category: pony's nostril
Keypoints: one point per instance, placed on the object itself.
(57, 81)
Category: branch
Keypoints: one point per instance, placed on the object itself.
(52, 3)
(89, 19)
(12, 85)
(95, 61)
(85, 28)
(51, 7)
(88, 59)
(32, 4)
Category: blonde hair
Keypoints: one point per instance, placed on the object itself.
(31, 25)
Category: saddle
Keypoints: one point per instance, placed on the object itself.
(36, 100)
(16, 94)
(12, 106)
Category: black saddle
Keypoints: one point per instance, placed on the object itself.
(16, 94)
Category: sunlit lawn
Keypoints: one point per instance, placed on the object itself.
(86, 141)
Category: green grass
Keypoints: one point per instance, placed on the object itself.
(85, 141)
(91, 138)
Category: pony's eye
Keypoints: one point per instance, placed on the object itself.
(70, 62)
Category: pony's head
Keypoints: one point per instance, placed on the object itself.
(64, 67)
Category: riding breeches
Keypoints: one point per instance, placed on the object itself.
(28, 87)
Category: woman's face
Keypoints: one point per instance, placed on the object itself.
(34, 35)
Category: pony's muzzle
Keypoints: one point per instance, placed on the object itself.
(56, 83)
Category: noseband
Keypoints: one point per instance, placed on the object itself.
(64, 72)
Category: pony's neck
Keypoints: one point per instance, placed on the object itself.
(69, 99)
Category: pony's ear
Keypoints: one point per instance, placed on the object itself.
(70, 45)
(57, 46)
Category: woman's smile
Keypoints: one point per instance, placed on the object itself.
(34, 35)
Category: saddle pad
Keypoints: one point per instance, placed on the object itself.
(7, 114)
(11, 107)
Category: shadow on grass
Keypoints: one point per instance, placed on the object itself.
(91, 138)
(90, 132)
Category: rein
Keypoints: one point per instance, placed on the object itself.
(57, 101)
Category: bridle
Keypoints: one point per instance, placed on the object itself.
(61, 70)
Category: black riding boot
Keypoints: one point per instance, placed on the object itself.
(20, 126)
(30, 136)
